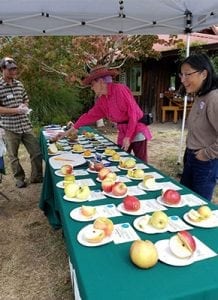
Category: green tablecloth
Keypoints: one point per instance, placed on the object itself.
(106, 272)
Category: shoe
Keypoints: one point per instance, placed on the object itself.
(36, 180)
(20, 184)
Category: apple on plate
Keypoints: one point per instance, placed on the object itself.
(71, 189)
(171, 197)
(67, 169)
(92, 235)
(98, 165)
(131, 203)
(87, 211)
(83, 192)
(130, 163)
(205, 211)
(111, 175)
(182, 244)
(107, 184)
(159, 220)
(143, 254)
(104, 224)
(69, 179)
(116, 156)
(194, 215)
(103, 173)
(149, 181)
(119, 189)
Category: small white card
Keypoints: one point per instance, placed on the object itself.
(141, 166)
(155, 174)
(169, 185)
(192, 200)
(177, 224)
(202, 251)
(123, 178)
(135, 191)
(97, 195)
(123, 233)
(122, 153)
(86, 181)
(80, 172)
(108, 210)
(114, 169)
(151, 205)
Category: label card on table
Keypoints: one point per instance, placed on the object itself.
(169, 185)
(124, 233)
(80, 172)
(141, 166)
(203, 251)
(86, 181)
(108, 210)
(97, 195)
(122, 153)
(155, 175)
(192, 200)
(151, 205)
(123, 178)
(135, 191)
(177, 224)
(114, 169)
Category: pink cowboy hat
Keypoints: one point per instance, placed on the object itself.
(99, 72)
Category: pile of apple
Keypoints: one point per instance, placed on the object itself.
(171, 197)
(127, 163)
(108, 151)
(182, 245)
(202, 213)
(102, 227)
(136, 173)
(78, 148)
(96, 165)
(116, 156)
(74, 190)
(87, 153)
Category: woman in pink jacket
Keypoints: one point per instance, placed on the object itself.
(115, 102)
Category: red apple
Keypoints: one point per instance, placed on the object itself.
(98, 166)
(103, 173)
(119, 189)
(112, 175)
(182, 244)
(66, 169)
(131, 203)
(171, 197)
(107, 185)
(188, 239)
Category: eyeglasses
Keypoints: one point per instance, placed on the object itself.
(187, 75)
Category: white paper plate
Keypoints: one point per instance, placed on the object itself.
(208, 223)
(83, 242)
(113, 196)
(57, 153)
(75, 214)
(148, 228)
(181, 204)
(58, 161)
(75, 199)
(99, 180)
(111, 159)
(59, 173)
(138, 212)
(156, 187)
(165, 255)
(60, 184)
(125, 169)
(89, 156)
(73, 151)
(134, 178)
(91, 171)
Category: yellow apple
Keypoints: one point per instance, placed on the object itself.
(159, 220)
(93, 235)
(204, 211)
(149, 181)
(138, 173)
(71, 189)
(52, 148)
(130, 163)
(83, 192)
(143, 254)
(87, 211)
(194, 216)
(116, 156)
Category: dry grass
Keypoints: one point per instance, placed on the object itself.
(33, 259)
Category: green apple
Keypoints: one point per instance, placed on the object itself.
(71, 189)
(130, 163)
(158, 220)
(83, 192)
(138, 173)
(204, 211)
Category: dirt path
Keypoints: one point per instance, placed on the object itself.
(33, 258)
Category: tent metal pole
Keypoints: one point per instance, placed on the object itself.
(185, 106)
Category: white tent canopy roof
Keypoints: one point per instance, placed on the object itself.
(98, 17)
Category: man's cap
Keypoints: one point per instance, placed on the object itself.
(8, 63)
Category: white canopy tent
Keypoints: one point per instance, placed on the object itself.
(101, 17)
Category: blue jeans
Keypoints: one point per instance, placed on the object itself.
(199, 176)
